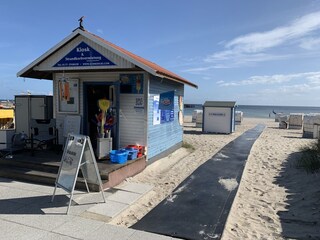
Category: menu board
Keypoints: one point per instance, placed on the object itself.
(70, 162)
(78, 154)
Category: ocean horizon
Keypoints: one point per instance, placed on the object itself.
(260, 111)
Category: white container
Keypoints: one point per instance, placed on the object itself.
(239, 117)
(31, 107)
(104, 146)
(199, 119)
(6, 138)
(316, 131)
(195, 115)
(218, 117)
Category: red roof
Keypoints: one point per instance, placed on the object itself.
(159, 70)
(31, 72)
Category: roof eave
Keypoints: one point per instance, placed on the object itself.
(177, 80)
(120, 53)
(29, 68)
(134, 61)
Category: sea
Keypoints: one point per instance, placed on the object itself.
(259, 111)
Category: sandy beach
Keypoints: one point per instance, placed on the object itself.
(275, 200)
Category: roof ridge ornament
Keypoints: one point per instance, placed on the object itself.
(80, 23)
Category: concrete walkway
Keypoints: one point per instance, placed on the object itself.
(26, 212)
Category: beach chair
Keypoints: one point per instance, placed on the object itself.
(17, 144)
(43, 134)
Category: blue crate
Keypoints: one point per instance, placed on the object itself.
(118, 156)
(132, 153)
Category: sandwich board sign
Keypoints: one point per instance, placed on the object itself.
(77, 154)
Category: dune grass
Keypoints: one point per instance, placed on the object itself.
(188, 146)
(310, 159)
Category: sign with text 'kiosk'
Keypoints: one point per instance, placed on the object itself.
(83, 56)
(78, 154)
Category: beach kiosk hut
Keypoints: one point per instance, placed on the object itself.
(218, 117)
(116, 94)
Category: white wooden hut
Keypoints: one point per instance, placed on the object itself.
(84, 68)
(218, 117)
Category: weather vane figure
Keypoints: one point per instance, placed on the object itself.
(80, 23)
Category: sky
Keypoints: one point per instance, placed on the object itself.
(254, 52)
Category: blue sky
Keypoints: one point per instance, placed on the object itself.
(251, 51)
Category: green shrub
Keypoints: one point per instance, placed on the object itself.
(188, 146)
(310, 159)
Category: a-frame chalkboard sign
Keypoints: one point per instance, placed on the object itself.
(78, 154)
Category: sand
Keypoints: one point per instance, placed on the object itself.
(275, 200)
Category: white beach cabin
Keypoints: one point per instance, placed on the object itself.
(145, 101)
(218, 117)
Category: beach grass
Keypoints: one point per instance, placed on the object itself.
(310, 159)
(188, 146)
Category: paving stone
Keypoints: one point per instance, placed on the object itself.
(124, 197)
(14, 231)
(6, 182)
(33, 187)
(75, 209)
(35, 216)
(109, 209)
(138, 235)
(56, 236)
(19, 195)
(90, 198)
(7, 206)
(135, 187)
(110, 232)
(78, 227)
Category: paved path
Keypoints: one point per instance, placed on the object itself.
(26, 213)
(199, 206)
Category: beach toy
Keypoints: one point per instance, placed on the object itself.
(104, 105)
(118, 156)
(141, 149)
(132, 153)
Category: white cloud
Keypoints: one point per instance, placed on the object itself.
(232, 59)
(312, 78)
(249, 49)
(258, 42)
(99, 30)
(296, 88)
(310, 43)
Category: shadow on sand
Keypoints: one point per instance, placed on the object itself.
(301, 217)
(193, 132)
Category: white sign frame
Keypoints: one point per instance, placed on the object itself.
(78, 154)
(68, 95)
